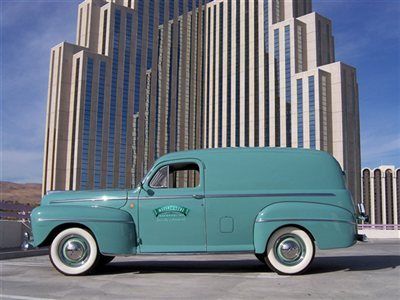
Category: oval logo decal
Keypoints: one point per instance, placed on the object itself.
(171, 209)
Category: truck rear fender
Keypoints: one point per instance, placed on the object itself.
(328, 225)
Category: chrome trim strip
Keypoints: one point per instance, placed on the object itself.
(261, 220)
(269, 195)
(163, 197)
(104, 199)
(84, 220)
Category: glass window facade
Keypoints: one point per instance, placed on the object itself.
(99, 126)
(105, 26)
(311, 91)
(171, 55)
(229, 76)
(178, 86)
(237, 92)
(161, 5)
(214, 82)
(256, 78)
(246, 76)
(277, 89)
(203, 64)
(86, 126)
(266, 75)
(300, 136)
(171, 9)
(113, 100)
(151, 34)
(75, 112)
(288, 88)
(220, 81)
(180, 7)
(278, 9)
(138, 56)
(300, 54)
(324, 113)
(158, 96)
(190, 5)
(208, 77)
(125, 99)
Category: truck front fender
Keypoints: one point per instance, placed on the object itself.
(330, 226)
(113, 229)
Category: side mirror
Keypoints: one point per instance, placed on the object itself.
(150, 192)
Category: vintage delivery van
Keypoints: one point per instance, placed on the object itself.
(279, 204)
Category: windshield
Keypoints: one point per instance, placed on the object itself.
(146, 177)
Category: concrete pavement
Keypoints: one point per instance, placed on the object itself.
(365, 271)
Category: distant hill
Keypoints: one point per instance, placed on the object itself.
(23, 193)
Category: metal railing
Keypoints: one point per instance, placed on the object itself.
(12, 211)
(379, 226)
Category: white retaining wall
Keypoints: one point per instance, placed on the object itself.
(11, 234)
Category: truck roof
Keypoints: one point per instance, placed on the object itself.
(200, 153)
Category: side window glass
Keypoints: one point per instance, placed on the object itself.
(160, 180)
(175, 176)
(184, 175)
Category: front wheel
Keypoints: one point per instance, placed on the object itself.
(290, 251)
(74, 252)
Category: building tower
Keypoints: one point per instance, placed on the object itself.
(95, 90)
(271, 80)
(380, 193)
(150, 77)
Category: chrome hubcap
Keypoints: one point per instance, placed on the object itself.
(289, 250)
(74, 251)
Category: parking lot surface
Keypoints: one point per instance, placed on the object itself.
(369, 271)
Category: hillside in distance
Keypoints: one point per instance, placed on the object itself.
(22, 193)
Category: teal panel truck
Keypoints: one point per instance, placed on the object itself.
(279, 204)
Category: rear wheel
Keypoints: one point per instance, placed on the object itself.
(290, 251)
(74, 252)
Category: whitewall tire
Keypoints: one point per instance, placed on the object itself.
(290, 251)
(74, 251)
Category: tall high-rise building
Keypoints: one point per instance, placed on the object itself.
(151, 77)
(272, 80)
(98, 90)
(381, 195)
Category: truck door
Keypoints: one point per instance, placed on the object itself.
(171, 208)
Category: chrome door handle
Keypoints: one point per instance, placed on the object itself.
(198, 196)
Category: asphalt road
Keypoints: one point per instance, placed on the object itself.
(368, 271)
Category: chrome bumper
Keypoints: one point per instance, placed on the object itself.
(27, 242)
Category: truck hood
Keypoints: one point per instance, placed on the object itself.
(105, 198)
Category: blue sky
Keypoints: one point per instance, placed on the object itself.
(367, 36)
